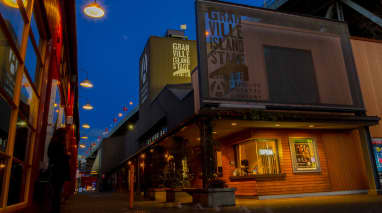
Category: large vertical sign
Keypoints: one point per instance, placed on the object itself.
(252, 55)
(143, 76)
(165, 60)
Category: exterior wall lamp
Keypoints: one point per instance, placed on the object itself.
(94, 10)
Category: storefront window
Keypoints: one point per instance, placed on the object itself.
(5, 110)
(22, 140)
(259, 156)
(28, 101)
(304, 155)
(377, 147)
(17, 183)
(31, 61)
(35, 31)
(8, 65)
(3, 166)
(12, 17)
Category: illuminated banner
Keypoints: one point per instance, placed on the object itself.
(165, 60)
(252, 55)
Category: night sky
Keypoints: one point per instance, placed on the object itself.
(109, 50)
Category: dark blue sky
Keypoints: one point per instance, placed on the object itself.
(109, 50)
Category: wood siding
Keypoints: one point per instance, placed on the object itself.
(294, 183)
(346, 168)
(368, 59)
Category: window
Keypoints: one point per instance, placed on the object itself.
(12, 17)
(291, 75)
(8, 66)
(5, 110)
(304, 155)
(28, 101)
(31, 62)
(258, 156)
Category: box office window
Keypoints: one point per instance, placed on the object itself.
(258, 156)
(304, 155)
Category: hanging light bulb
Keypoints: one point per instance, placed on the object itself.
(82, 146)
(87, 107)
(94, 10)
(86, 83)
(84, 137)
(13, 3)
(120, 114)
(85, 126)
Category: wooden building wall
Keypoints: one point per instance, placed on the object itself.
(368, 60)
(338, 172)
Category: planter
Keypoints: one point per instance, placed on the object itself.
(214, 197)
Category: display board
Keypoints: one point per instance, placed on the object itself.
(253, 55)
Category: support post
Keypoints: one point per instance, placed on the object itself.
(131, 186)
(207, 148)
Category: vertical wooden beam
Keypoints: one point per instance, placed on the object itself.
(207, 148)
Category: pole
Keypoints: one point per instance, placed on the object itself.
(131, 185)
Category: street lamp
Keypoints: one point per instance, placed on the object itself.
(94, 10)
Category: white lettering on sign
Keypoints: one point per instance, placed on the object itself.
(265, 152)
(181, 60)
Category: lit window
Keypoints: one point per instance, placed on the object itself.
(258, 156)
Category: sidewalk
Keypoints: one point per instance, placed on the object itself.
(118, 203)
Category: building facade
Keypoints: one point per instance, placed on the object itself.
(365, 28)
(273, 108)
(38, 93)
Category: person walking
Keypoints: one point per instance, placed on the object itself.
(58, 166)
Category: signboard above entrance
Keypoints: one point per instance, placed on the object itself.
(250, 55)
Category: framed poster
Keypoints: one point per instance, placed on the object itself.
(304, 155)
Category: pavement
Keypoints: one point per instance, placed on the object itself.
(118, 203)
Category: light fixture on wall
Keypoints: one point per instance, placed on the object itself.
(87, 107)
(94, 10)
(86, 126)
(87, 84)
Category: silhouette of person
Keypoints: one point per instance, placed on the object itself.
(58, 165)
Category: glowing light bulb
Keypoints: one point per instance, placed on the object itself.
(94, 10)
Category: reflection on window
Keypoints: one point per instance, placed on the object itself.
(28, 101)
(304, 155)
(34, 29)
(5, 110)
(31, 61)
(22, 140)
(8, 65)
(17, 183)
(3, 166)
(13, 19)
(259, 156)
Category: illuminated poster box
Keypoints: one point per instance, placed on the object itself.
(254, 56)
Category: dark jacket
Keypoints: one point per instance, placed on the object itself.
(58, 162)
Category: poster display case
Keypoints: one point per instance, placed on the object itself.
(304, 155)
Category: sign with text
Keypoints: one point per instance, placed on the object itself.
(165, 60)
(248, 54)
